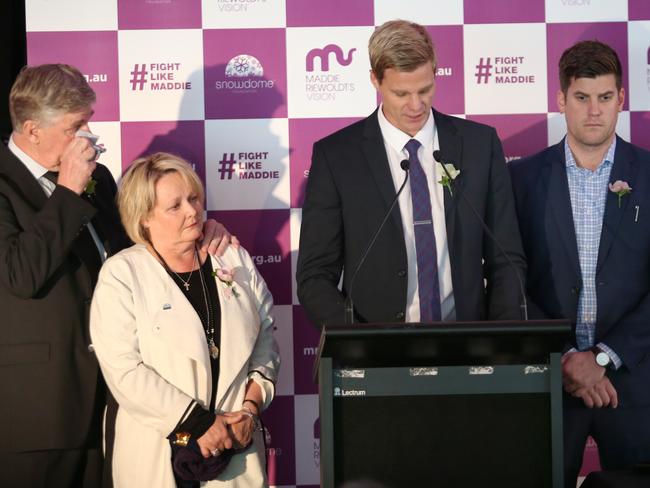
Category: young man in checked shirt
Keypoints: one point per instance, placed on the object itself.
(584, 212)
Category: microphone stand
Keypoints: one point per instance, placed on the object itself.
(349, 304)
(524, 303)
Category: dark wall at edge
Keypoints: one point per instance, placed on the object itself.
(13, 55)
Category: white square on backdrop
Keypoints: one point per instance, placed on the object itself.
(328, 72)
(585, 10)
(161, 74)
(557, 127)
(639, 66)
(247, 164)
(70, 15)
(110, 136)
(502, 76)
(307, 444)
(425, 12)
(226, 14)
(295, 221)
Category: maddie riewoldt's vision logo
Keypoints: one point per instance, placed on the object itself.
(504, 70)
(245, 74)
(247, 166)
(157, 77)
(324, 86)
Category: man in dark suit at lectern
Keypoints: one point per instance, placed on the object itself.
(432, 260)
(58, 221)
(583, 207)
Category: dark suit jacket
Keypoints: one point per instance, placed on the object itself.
(48, 375)
(350, 189)
(623, 270)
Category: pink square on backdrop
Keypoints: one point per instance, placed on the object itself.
(448, 41)
(302, 134)
(184, 138)
(560, 37)
(504, 11)
(638, 10)
(245, 73)
(265, 235)
(170, 14)
(281, 451)
(640, 128)
(305, 345)
(92, 53)
(521, 135)
(301, 13)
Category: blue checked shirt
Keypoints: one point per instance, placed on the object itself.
(588, 190)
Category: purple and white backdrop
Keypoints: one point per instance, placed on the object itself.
(242, 88)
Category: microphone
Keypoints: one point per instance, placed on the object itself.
(349, 304)
(437, 155)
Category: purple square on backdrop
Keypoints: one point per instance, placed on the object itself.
(521, 134)
(638, 10)
(560, 37)
(278, 419)
(305, 346)
(184, 138)
(93, 53)
(448, 41)
(302, 134)
(245, 73)
(301, 13)
(265, 235)
(170, 14)
(504, 11)
(640, 128)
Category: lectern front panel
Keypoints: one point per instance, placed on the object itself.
(411, 441)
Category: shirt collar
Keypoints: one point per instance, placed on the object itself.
(607, 160)
(34, 168)
(397, 139)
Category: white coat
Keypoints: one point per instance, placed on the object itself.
(153, 353)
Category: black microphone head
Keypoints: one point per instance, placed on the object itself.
(405, 164)
(437, 155)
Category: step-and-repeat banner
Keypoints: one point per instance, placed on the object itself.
(242, 88)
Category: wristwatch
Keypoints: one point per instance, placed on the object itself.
(602, 358)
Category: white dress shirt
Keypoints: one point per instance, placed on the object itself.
(48, 187)
(394, 142)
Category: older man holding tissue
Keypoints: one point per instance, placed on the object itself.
(58, 222)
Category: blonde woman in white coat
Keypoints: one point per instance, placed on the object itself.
(184, 339)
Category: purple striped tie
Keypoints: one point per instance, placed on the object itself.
(425, 241)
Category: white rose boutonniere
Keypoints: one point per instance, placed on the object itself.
(446, 180)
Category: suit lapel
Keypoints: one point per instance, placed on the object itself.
(451, 147)
(625, 168)
(240, 325)
(32, 192)
(374, 151)
(24, 182)
(558, 202)
(180, 325)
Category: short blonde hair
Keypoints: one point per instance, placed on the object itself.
(42, 92)
(400, 45)
(136, 196)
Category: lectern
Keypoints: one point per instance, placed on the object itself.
(457, 404)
